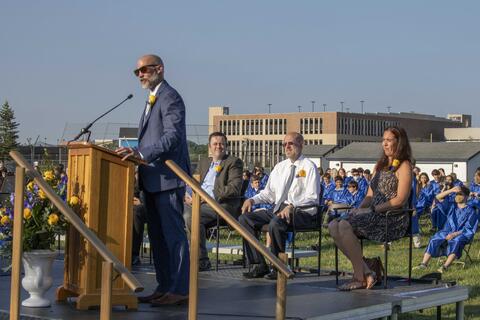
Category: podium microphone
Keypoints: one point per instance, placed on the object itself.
(87, 128)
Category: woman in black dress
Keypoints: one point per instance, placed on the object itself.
(389, 189)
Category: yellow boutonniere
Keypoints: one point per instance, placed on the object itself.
(152, 99)
(301, 173)
(218, 168)
(395, 164)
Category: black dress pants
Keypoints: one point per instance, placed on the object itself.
(277, 228)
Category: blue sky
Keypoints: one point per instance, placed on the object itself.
(68, 61)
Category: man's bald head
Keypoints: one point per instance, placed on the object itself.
(149, 59)
(297, 136)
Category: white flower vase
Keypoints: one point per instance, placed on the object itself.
(38, 277)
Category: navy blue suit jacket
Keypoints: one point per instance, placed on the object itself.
(162, 136)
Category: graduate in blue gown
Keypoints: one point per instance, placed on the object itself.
(328, 185)
(344, 199)
(354, 196)
(474, 199)
(440, 213)
(342, 173)
(424, 195)
(458, 231)
(456, 181)
(436, 183)
(339, 194)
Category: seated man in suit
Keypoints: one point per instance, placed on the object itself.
(293, 182)
(221, 178)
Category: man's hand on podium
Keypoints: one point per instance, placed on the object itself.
(127, 153)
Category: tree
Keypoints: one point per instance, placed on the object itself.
(8, 130)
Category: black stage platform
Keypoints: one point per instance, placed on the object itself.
(225, 295)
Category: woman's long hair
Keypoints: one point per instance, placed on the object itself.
(403, 151)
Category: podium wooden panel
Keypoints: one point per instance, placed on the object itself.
(104, 185)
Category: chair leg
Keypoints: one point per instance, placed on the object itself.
(319, 249)
(410, 259)
(385, 248)
(293, 251)
(218, 243)
(336, 265)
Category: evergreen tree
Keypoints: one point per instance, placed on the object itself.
(8, 130)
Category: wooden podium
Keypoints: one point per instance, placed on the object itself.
(104, 185)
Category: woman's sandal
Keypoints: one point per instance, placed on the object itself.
(352, 285)
(371, 280)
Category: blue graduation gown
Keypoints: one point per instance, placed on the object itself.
(440, 211)
(464, 220)
(250, 193)
(424, 199)
(436, 188)
(363, 186)
(327, 189)
(338, 195)
(354, 200)
(474, 201)
(346, 181)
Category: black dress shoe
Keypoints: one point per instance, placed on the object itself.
(272, 275)
(150, 298)
(204, 265)
(170, 299)
(257, 272)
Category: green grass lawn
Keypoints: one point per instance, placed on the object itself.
(398, 265)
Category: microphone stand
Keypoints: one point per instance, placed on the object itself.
(87, 131)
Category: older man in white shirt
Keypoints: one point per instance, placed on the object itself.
(294, 182)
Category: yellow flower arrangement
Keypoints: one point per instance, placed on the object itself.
(42, 221)
(152, 99)
(218, 168)
(301, 173)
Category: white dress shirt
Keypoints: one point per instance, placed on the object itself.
(304, 191)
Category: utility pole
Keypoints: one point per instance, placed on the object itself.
(313, 105)
(341, 102)
(362, 102)
(324, 107)
(299, 108)
(269, 108)
(389, 108)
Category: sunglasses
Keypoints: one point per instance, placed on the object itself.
(143, 69)
(288, 143)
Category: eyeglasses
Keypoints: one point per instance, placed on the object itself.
(143, 69)
(289, 143)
